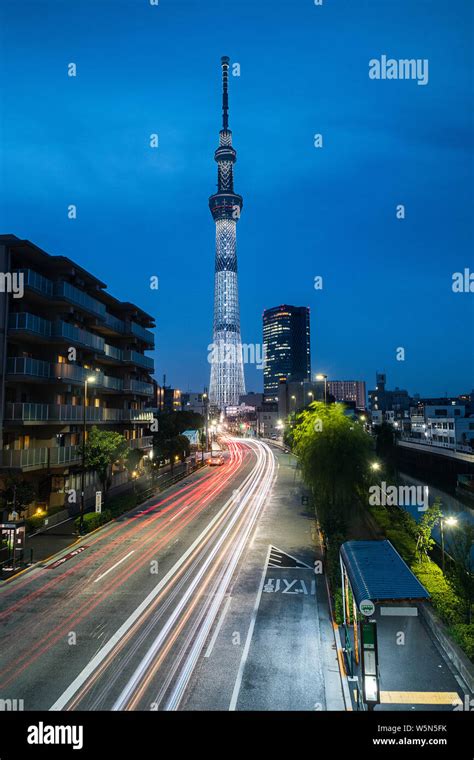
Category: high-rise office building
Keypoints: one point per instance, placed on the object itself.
(227, 371)
(348, 390)
(286, 342)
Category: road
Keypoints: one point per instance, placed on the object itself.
(119, 622)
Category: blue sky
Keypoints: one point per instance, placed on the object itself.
(308, 212)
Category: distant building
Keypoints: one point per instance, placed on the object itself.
(168, 399)
(383, 400)
(193, 402)
(295, 396)
(286, 341)
(349, 391)
(252, 399)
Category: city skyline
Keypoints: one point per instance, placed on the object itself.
(335, 206)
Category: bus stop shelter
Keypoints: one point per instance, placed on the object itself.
(376, 583)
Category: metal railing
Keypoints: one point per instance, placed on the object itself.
(27, 322)
(140, 359)
(20, 365)
(79, 298)
(137, 386)
(78, 335)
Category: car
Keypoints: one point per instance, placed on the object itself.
(274, 437)
(215, 461)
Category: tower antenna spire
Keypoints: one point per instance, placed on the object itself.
(225, 91)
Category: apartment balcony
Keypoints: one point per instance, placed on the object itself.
(25, 367)
(137, 415)
(114, 323)
(143, 334)
(78, 335)
(146, 442)
(67, 292)
(29, 325)
(113, 353)
(137, 386)
(140, 360)
(40, 458)
(112, 383)
(60, 413)
(72, 373)
(37, 282)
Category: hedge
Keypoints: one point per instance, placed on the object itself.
(444, 598)
(93, 520)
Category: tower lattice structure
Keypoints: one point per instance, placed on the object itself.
(227, 372)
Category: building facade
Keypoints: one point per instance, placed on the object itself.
(62, 332)
(286, 344)
(383, 400)
(348, 390)
(227, 369)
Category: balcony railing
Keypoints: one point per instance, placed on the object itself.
(139, 359)
(114, 323)
(113, 383)
(142, 443)
(137, 415)
(113, 353)
(66, 371)
(61, 413)
(78, 335)
(19, 365)
(28, 459)
(37, 281)
(141, 332)
(25, 322)
(137, 386)
(79, 298)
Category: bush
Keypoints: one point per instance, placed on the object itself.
(34, 523)
(463, 634)
(123, 503)
(93, 520)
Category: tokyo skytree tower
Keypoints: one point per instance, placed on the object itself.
(227, 372)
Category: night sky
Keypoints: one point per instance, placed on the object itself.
(308, 212)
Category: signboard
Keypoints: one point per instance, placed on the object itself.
(98, 501)
(367, 607)
(370, 676)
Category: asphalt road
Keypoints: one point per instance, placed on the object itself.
(119, 622)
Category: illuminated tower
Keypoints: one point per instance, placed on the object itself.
(227, 372)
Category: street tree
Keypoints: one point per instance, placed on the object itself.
(103, 449)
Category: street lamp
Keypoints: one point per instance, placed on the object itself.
(205, 399)
(375, 466)
(89, 379)
(450, 522)
(310, 393)
(320, 376)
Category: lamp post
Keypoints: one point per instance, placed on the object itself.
(205, 399)
(450, 522)
(325, 378)
(89, 379)
(293, 398)
(310, 393)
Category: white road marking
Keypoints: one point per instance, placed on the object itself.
(218, 628)
(93, 664)
(238, 681)
(114, 566)
(186, 506)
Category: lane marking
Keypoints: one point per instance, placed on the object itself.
(238, 681)
(419, 698)
(114, 566)
(218, 628)
(186, 506)
(94, 663)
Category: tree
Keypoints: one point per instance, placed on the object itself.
(178, 446)
(103, 449)
(335, 453)
(133, 459)
(461, 547)
(17, 493)
(170, 426)
(424, 529)
(385, 446)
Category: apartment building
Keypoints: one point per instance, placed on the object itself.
(60, 329)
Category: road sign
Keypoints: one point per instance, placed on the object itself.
(367, 607)
(98, 501)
